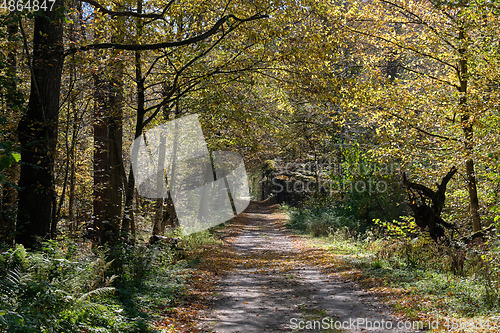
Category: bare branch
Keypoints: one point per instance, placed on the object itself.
(430, 76)
(113, 13)
(402, 46)
(163, 45)
(421, 129)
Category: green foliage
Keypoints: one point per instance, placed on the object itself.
(422, 268)
(421, 264)
(404, 229)
(325, 221)
(467, 279)
(369, 188)
(61, 289)
(46, 291)
(8, 156)
(484, 262)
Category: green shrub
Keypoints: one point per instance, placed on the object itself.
(46, 292)
(61, 289)
(325, 221)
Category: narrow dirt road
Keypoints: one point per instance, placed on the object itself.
(273, 287)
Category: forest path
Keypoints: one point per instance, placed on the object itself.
(271, 285)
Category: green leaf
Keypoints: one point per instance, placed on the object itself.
(16, 156)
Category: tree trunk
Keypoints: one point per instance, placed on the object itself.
(128, 217)
(108, 172)
(115, 134)
(101, 161)
(72, 158)
(37, 129)
(427, 206)
(468, 129)
(108, 130)
(158, 218)
(67, 162)
(74, 31)
(71, 201)
(169, 216)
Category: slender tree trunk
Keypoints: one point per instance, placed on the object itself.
(72, 159)
(71, 129)
(71, 201)
(37, 129)
(169, 215)
(158, 218)
(75, 29)
(468, 129)
(66, 164)
(128, 216)
(128, 225)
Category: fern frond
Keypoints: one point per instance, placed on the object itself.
(96, 292)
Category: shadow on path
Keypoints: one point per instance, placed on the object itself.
(271, 288)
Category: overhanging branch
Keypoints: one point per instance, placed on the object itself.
(113, 13)
(163, 45)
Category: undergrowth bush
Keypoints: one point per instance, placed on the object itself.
(465, 276)
(51, 292)
(64, 289)
(325, 221)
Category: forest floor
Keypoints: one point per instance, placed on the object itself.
(270, 280)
